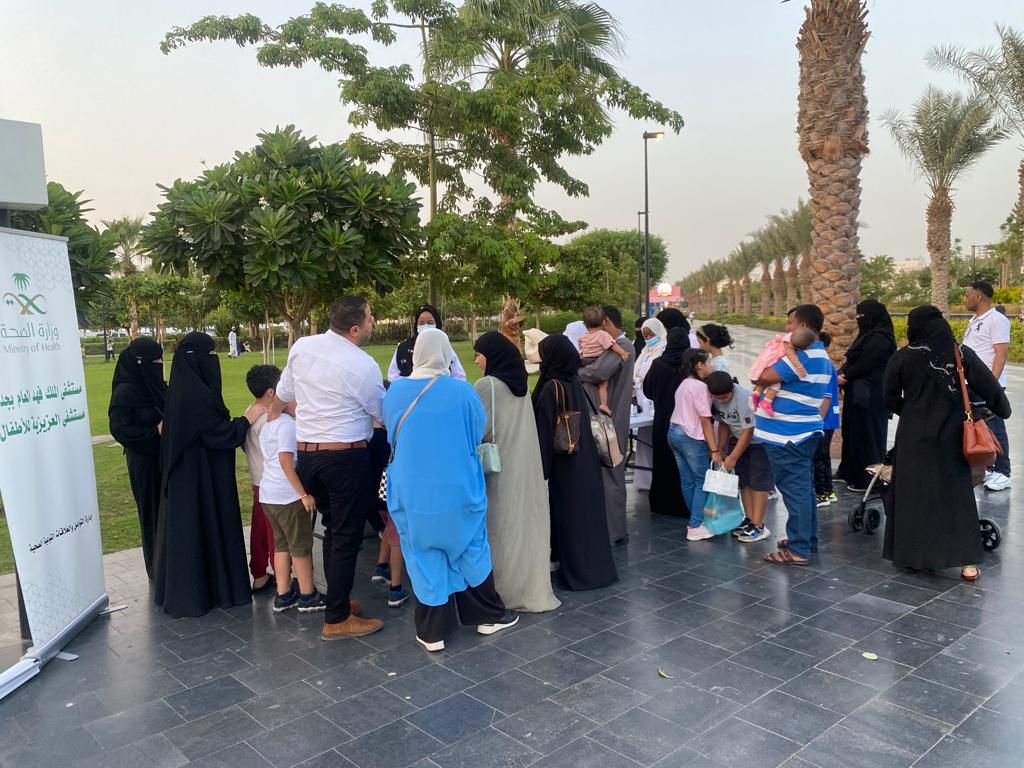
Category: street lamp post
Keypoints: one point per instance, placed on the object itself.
(641, 308)
(647, 223)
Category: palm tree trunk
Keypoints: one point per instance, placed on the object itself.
(766, 290)
(806, 283)
(746, 295)
(792, 276)
(1020, 204)
(737, 297)
(940, 217)
(779, 287)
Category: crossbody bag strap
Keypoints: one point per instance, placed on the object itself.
(401, 421)
(494, 416)
(962, 377)
(589, 401)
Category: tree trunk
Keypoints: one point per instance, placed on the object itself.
(268, 334)
(806, 284)
(766, 290)
(792, 276)
(537, 318)
(832, 125)
(737, 297)
(1020, 207)
(133, 318)
(940, 217)
(312, 325)
(779, 288)
(472, 324)
(746, 295)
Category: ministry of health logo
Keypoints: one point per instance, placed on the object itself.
(29, 305)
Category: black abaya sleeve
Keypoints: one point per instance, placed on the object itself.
(226, 436)
(546, 413)
(126, 428)
(892, 388)
(983, 384)
(877, 350)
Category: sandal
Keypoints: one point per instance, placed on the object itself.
(784, 557)
(966, 568)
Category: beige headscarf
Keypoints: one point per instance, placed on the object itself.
(533, 337)
(432, 355)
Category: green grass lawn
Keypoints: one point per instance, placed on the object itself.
(118, 517)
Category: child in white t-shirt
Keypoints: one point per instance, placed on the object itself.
(289, 509)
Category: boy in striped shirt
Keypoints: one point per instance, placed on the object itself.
(791, 436)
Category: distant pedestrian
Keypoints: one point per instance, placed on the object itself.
(233, 343)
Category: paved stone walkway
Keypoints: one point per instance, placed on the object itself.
(702, 656)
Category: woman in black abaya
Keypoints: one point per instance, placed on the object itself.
(932, 520)
(865, 417)
(660, 385)
(136, 412)
(579, 531)
(200, 560)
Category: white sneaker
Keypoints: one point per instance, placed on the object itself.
(988, 475)
(755, 535)
(432, 647)
(699, 533)
(998, 482)
(510, 619)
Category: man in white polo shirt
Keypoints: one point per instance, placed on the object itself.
(338, 390)
(988, 334)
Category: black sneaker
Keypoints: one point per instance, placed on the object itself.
(397, 597)
(381, 574)
(288, 600)
(312, 603)
(743, 528)
(510, 619)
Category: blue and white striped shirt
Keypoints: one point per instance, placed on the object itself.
(798, 403)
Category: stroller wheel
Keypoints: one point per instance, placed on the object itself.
(856, 517)
(872, 520)
(991, 536)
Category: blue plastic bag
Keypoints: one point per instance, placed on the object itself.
(722, 513)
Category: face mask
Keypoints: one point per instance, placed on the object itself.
(427, 327)
(652, 341)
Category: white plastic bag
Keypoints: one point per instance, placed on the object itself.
(722, 482)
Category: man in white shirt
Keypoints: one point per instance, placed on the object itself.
(233, 343)
(338, 390)
(988, 334)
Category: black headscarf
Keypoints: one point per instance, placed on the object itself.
(874, 320)
(930, 334)
(559, 361)
(503, 361)
(677, 343)
(194, 401)
(403, 355)
(138, 378)
(673, 318)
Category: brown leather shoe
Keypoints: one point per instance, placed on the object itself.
(353, 626)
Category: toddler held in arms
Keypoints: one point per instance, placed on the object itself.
(776, 349)
(594, 343)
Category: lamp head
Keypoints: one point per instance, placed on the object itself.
(654, 135)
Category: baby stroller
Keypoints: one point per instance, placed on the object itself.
(867, 514)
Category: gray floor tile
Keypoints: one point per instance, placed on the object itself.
(585, 752)
(840, 747)
(723, 599)
(689, 654)
(695, 709)
(796, 602)
(873, 607)
(947, 705)
(652, 596)
(428, 685)
(213, 733)
(207, 668)
(511, 691)
(967, 676)
(641, 736)
(848, 625)
(277, 673)
(485, 749)
(563, 668)
(957, 753)
(40, 722)
(151, 752)
(729, 635)
(813, 642)
(648, 674)
(899, 727)
(298, 740)
(789, 717)
(829, 691)
(482, 663)
(545, 726)
(775, 660)
(532, 642)
(994, 730)
(325, 656)
(930, 630)
(393, 746)
(454, 718)
(878, 673)
(368, 711)
(755, 748)
(348, 679)
(952, 612)
(609, 647)
(286, 704)
(741, 684)
(61, 748)
(903, 593)
(650, 629)
(689, 614)
(204, 644)
(132, 690)
(133, 724)
(898, 648)
(600, 699)
(237, 756)
(209, 697)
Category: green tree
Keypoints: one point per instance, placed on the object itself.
(89, 251)
(1009, 250)
(125, 235)
(504, 89)
(289, 222)
(877, 277)
(944, 136)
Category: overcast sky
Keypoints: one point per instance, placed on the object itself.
(119, 117)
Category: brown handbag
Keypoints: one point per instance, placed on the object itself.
(980, 446)
(567, 424)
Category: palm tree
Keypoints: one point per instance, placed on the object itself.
(802, 232)
(746, 254)
(997, 73)
(945, 135)
(832, 124)
(126, 233)
(764, 258)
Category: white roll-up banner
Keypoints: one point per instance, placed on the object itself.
(47, 478)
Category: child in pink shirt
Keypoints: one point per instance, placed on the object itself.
(774, 350)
